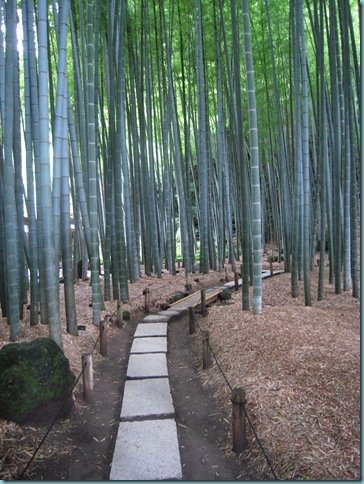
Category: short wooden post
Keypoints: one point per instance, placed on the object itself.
(236, 280)
(203, 302)
(226, 274)
(239, 422)
(146, 300)
(87, 377)
(206, 353)
(103, 339)
(271, 267)
(119, 317)
(191, 320)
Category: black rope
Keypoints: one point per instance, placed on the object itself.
(93, 349)
(217, 362)
(151, 289)
(73, 387)
(244, 409)
(56, 416)
(260, 444)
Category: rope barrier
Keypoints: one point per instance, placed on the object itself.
(68, 396)
(21, 475)
(151, 289)
(244, 409)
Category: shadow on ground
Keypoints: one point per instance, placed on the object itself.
(201, 427)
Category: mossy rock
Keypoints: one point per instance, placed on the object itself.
(176, 297)
(35, 380)
(225, 295)
(126, 315)
(164, 306)
(275, 258)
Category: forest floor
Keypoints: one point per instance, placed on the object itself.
(299, 366)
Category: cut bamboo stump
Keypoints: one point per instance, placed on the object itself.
(191, 320)
(206, 353)
(236, 280)
(239, 423)
(87, 377)
(119, 316)
(103, 339)
(146, 299)
(203, 302)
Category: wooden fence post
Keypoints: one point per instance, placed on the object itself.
(146, 300)
(103, 339)
(271, 267)
(87, 377)
(191, 320)
(203, 302)
(239, 423)
(119, 317)
(236, 280)
(206, 354)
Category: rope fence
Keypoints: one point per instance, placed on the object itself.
(87, 374)
(58, 414)
(241, 403)
(146, 294)
(87, 371)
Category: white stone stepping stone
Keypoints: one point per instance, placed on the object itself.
(146, 450)
(147, 398)
(147, 366)
(149, 345)
(232, 283)
(170, 313)
(151, 329)
(156, 318)
(181, 309)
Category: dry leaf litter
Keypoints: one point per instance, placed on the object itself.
(299, 366)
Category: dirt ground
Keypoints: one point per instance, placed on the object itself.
(299, 366)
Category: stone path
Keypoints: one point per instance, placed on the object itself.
(146, 444)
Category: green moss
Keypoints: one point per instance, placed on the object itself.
(32, 374)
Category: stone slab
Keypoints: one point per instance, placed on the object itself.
(156, 318)
(146, 450)
(149, 345)
(265, 274)
(170, 313)
(147, 366)
(147, 398)
(181, 309)
(231, 284)
(150, 329)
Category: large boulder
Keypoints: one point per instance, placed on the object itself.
(35, 379)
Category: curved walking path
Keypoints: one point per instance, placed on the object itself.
(147, 444)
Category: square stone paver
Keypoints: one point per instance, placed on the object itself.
(146, 451)
(149, 345)
(170, 313)
(147, 398)
(156, 318)
(151, 329)
(147, 366)
(182, 309)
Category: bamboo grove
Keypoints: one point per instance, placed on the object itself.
(137, 133)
